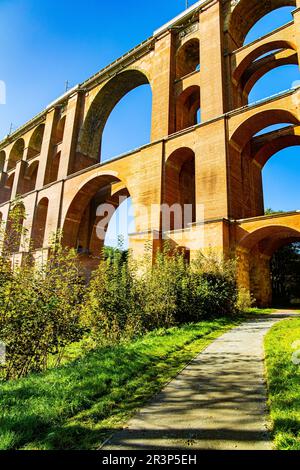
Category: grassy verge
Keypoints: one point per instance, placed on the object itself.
(284, 383)
(260, 311)
(78, 405)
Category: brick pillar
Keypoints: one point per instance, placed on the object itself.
(162, 88)
(211, 63)
(69, 144)
(46, 148)
(21, 167)
(260, 278)
(296, 14)
(243, 268)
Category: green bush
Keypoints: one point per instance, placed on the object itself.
(164, 290)
(124, 300)
(45, 308)
(39, 312)
(111, 305)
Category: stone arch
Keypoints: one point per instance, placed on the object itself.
(246, 13)
(256, 123)
(268, 237)
(84, 225)
(39, 224)
(261, 61)
(103, 104)
(16, 154)
(2, 160)
(246, 159)
(6, 190)
(30, 178)
(255, 251)
(180, 189)
(285, 138)
(187, 106)
(188, 58)
(35, 142)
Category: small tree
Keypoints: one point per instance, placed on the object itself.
(111, 306)
(39, 312)
(214, 289)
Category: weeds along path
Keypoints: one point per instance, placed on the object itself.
(218, 402)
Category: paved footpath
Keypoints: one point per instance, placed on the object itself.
(217, 403)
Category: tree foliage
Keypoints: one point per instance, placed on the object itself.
(285, 269)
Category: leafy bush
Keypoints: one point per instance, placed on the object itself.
(39, 312)
(124, 300)
(164, 290)
(45, 308)
(111, 306)
(213, 288)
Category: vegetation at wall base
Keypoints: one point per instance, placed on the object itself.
(284, 383)
(131, 328)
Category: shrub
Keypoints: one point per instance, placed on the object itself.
(245, 300)
(164, 290)
(45, 308)
(39, 313)
(111, 306)
(213, 288)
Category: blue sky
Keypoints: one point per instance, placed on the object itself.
(44, 43)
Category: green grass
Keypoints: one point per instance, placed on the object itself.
(260, 311)
(284, 383)
(78, 405)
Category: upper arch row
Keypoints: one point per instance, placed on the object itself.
(243, 15)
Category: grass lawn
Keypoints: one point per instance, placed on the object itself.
(260, 311)
(284, 383)
(78, 405)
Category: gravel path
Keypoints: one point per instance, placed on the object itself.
(217, 403)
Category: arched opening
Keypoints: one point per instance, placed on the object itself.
(256, 123)
(39, 225)
(2, 160)
(30, 177)
(188, 58)
(247, 13)
(275, 81)
(250, 150)
(285, 275)
(129, 124)
(36, 141)
(6, 190)
(120, 226)
(258, 251)
(16, 154)
(53, 169)
(109, 96)
(89, 214)
(180, 190)
(265, 71)
(59, 131)
(268, 23)
(188, 107)
(284, 169)
(14, 229)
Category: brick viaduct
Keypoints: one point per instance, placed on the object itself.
(54, 161)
